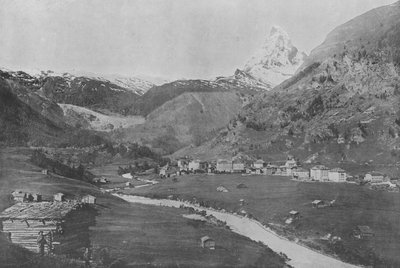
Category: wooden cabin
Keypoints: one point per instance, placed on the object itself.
(207, 242)
(294, 214)
(36, 197)
(20, 196)
(363, 231)
(62, 226)
(59, 197)
(88, 199)
(318, 204)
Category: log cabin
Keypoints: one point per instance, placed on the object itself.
(64, 225)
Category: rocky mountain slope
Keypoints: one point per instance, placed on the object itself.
(19, 123)
(276, 61)
(340, 108)
(28, 118)
(190, 118)
(97, 93)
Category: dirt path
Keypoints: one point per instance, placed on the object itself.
(299, 255)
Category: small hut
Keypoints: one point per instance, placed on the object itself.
(37, 197)
(59, 197)
(44, 227)
(363, 231)
(88, 199)
(207, 242)
(317, 203)
(19, 196)
(45, 171)
(294, 214)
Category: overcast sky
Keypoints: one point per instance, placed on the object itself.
(170, 38)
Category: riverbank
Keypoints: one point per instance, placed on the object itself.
(300, 256)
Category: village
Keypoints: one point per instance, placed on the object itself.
(60, 223)
(289, 168)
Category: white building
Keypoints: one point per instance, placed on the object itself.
(291, 163)
(224, 165)
(301, 173)
(194, 165)
(319, 173)
(337, 175)
(259, 164)
(374, 177)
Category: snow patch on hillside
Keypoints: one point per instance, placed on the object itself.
(98, 121)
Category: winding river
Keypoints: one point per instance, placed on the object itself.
(300, 256)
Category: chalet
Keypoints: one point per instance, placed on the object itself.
(259, 164)
(294, 214)
(59, 197)
(20, 196)
(291, 163)
(374, 177)
(197, 165)
(36, 197)
(88, 199)
(363, 231)
(319, 173)
(282, 170)
(207, 242)
(238, 166)
(271, 169)
(318, 204)
(224, 165)
(45, 171)
(163, 172)
(301, 173)
(290, 170)
(183, 163)
(62, 227)
(128, 184)
(337, 175)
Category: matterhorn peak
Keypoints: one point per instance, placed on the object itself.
(277, 60)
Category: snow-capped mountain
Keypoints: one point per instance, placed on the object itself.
(276, 61)
(133, 83)
(138, 84)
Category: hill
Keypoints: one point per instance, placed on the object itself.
(190, 118)
(20, 123)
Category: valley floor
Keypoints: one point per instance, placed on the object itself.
(133, 234)
(269, 200)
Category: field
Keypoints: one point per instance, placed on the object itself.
(135, 235)
(269, 199)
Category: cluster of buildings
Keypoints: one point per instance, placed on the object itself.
(26, 197)
(288, 168)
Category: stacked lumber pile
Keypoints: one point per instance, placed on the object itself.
(64, 224)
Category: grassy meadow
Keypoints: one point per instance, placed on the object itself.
(134, 235)
(270, 198)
